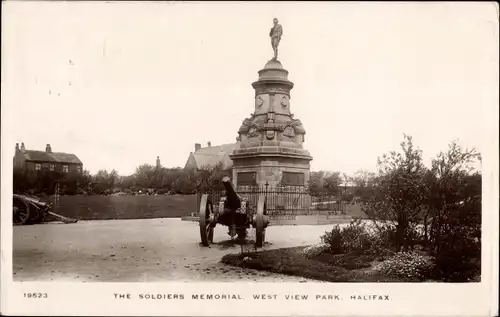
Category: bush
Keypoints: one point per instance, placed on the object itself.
(353, 238)
(162, 191)
(315, 250)
(459, 258)
(334, 240)
(407, 265)
(385, 236)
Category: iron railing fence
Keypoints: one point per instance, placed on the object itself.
(284, 200)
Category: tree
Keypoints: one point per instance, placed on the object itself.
(186, 184)
(454, 204)
(84, 180)
(169, 176)
(210, 178)
(325, 182)
(145, 176)
(363, 184)
(362, 178)
(316, 181)
(24, 181)
(104, 182)
(347, 197)
(126, 183)
(332, 182)
(399, 194)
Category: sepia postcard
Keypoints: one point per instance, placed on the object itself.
(249, 158)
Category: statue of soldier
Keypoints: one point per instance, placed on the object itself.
(275, 34)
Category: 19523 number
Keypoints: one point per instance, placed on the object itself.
(35, 295)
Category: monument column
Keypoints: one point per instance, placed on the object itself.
(271, 140)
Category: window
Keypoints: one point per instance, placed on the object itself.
(247, 178)
(65, 168)
(52, 167)
(293, 179)
(38, 166)
(79, 169)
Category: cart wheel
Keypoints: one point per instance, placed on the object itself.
(260, 223)
(206, 221)
(21, 212)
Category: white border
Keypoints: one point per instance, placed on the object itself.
(437, 299)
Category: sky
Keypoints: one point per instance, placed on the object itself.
(119, 84)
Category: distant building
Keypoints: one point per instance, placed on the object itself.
(46, 160)
(347, 184)
(210, 156)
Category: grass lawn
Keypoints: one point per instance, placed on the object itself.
(125, 207)
(325, 267)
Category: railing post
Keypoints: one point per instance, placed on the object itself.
(56, 197)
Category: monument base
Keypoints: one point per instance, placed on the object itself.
(271, 166)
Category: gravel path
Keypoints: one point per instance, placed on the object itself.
(153, 250)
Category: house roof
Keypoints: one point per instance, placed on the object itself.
(57, 157)
(212, 155)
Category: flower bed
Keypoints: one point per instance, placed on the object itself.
(407, 265)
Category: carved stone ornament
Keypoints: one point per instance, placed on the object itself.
(259, 101)
(270, 116)
(284, 101)
(292, 127)
(271, 90)
(289, 131)
(270, 134)
(297, 125)
(253, 132)
(245, 125)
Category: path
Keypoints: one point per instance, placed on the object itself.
(153, 250)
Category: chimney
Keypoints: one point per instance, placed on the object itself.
(23, 149)
(209, 144)
(158, 162)
(48, 149)
(197, 146)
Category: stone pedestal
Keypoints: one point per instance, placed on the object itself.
(270, 142)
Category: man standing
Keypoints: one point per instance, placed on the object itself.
(275, 34)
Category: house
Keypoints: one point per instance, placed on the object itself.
(46, 160)
(210, 156)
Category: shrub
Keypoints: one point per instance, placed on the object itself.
(384, 236)
(407, 265)
(353, 238)
(459, 258)
(315, 250)
(334, 240)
